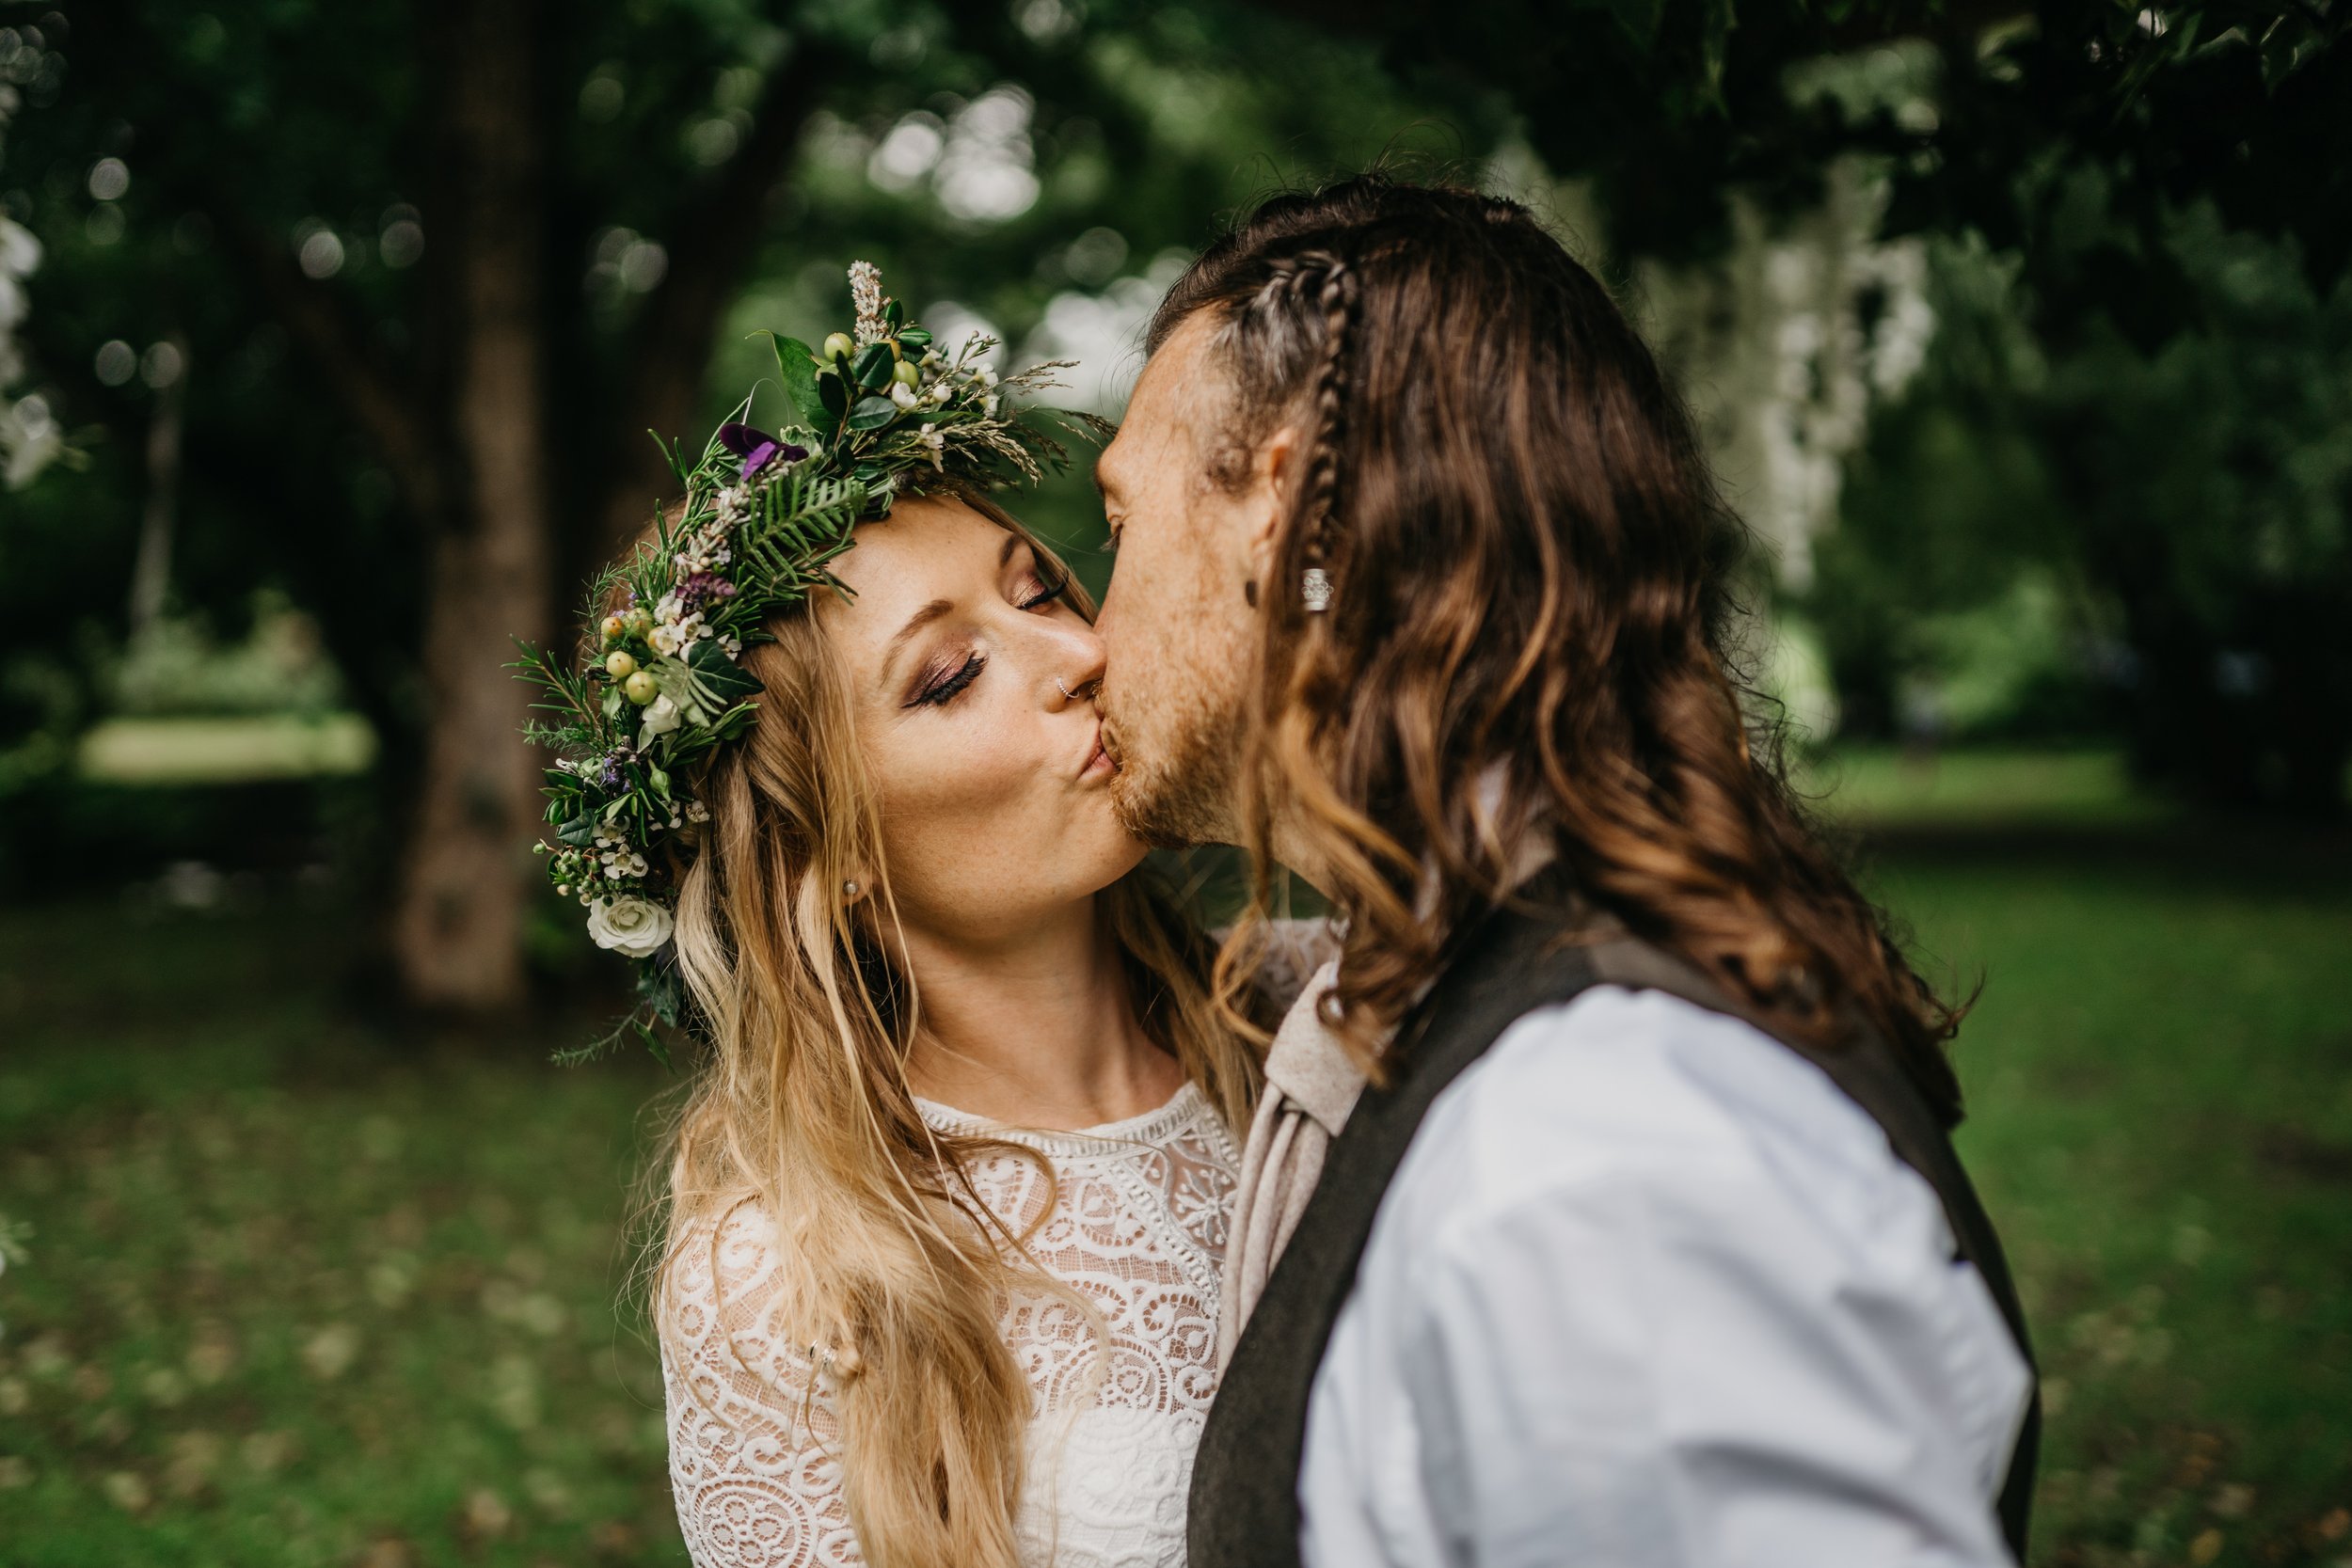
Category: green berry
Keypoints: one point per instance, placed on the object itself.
(614, 628)
(638, 624)
(907, 375)
(639, 688)
(619, 665)
(837, 345)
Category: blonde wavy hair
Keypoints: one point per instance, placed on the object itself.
(801, 1105)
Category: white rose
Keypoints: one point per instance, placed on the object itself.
(660, 717)
(634, 926)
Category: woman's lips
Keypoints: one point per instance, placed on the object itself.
(1097, 762)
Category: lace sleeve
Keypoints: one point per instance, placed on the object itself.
(755, 1450)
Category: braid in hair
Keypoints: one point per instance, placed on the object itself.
(1273, 318)
(1335, 295)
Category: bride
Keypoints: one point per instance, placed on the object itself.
(948, 1201)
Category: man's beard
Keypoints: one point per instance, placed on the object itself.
(1183, 793)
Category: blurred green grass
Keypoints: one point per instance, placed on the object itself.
(299, 1292)
(295, 1287)
(227, 748)
(1887, 786)
(2159, 1077)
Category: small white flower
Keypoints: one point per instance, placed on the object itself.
(732, 643)
(635, 926)
(988, 405)
(664, 640)
(902, 394)
(697, 812)
(938, 443)
(987, 377)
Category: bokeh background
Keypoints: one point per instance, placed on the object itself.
(329, 335)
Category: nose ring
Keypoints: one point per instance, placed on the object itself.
(1068, 695)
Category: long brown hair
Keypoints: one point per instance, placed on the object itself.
(886, 1257)
(1527, 633)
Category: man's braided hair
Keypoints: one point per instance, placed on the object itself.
(1528, 576)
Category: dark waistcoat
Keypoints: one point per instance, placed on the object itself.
(1244, 1507)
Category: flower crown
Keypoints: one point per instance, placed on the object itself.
(874, 413)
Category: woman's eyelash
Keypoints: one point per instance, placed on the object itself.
(1046, 595)
(946, 690)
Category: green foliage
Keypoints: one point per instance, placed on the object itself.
(2171, 526)
(253, 127)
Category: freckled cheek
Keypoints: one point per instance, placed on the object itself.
(957, 798)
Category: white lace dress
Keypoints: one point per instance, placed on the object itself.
(1138, 1226)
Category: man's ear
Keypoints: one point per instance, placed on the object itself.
(1272, 473)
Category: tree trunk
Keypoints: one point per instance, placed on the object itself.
(465, 880)
(151, 569)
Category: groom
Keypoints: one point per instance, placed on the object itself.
(1638, 1239)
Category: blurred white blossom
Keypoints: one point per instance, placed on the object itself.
(30, 437)
(986, 173)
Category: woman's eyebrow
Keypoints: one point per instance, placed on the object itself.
(905, 634)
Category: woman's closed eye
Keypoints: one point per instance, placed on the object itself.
(946, 682)
(942, 687)
(1036, 594)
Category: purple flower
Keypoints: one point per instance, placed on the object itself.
(608, 774)
(699, 589)
(757, 447)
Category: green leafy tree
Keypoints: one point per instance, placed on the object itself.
(438, 267)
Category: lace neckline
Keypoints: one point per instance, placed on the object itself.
(1150, 1127)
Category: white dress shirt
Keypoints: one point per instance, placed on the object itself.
(1648, 1291)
